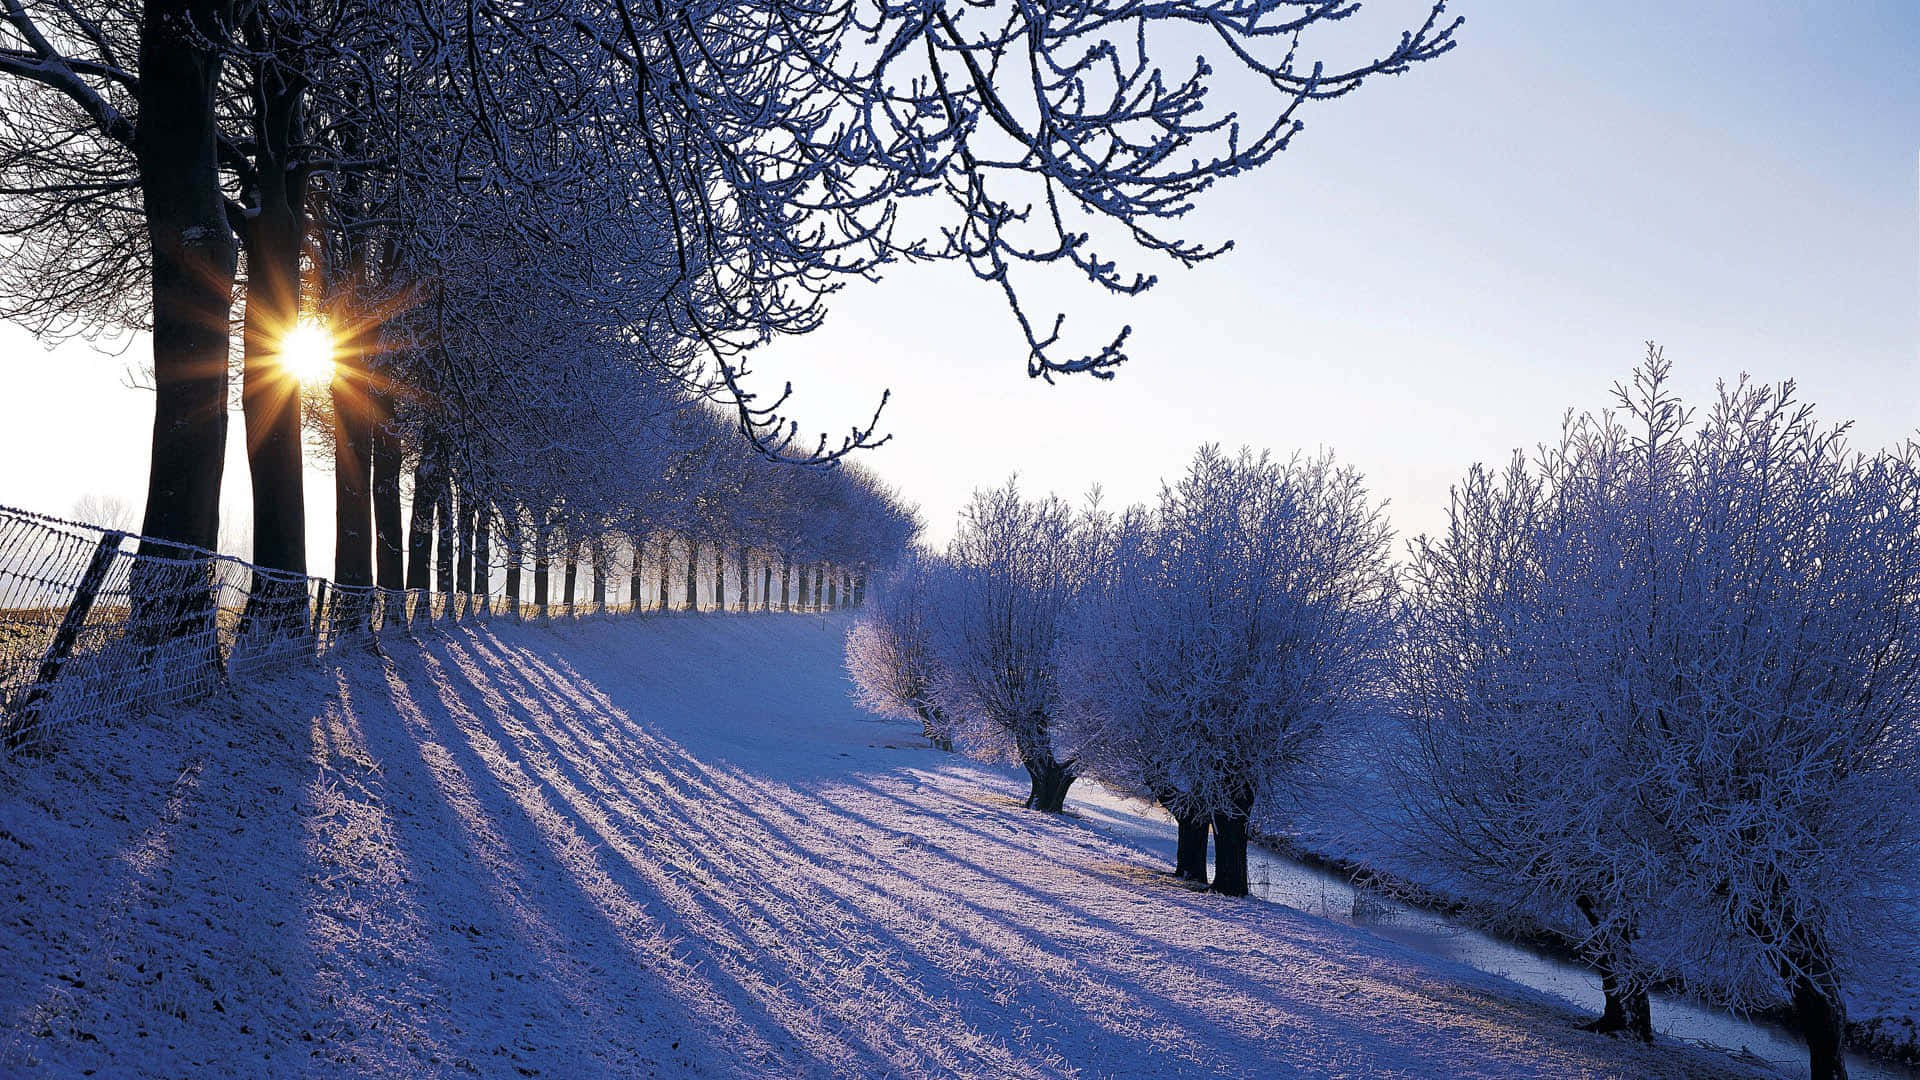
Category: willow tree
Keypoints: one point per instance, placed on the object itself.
(1664, 685)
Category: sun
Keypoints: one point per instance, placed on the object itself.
(307, 354)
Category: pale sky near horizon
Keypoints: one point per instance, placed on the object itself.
(1440, 266)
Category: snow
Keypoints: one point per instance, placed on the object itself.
(657, 846)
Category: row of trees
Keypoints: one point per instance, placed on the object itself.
(1657, 688)
(545, 233)
(738, 532)
(1205, 654)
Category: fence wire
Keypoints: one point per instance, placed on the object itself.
(97, 623)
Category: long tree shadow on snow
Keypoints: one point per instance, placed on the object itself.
(868, 924)
(164, 885)
(519, 969)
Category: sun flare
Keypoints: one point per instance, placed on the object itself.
(307, 354)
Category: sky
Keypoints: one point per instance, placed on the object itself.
(1439, 267)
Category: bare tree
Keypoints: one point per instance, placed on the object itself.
(108, 512)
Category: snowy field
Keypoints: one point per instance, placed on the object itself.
(661, 847)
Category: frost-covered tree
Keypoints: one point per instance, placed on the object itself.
(1239, 634)
(805, 141)
(1526, 620)
(1668, 680)
(1506, 763)
(1015, 570)
(888, 651)
(1779, 709)
(367, 156)
(1106, 721)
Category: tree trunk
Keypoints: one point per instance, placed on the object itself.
(443, 528)
(833, 594)
(1229, 855)
(1190, 858)
(540, 541)
(1626, 1009)
(352, 493)
(1819, 1010)
(666, 573)
(719, 577)
(193, 255)
(270, 395)
(932, 728)
(693, 576)
(387, 466)
(1230, 847)
(801, 592)
(1050, 782)
(344, 272)
(270, 401)
(819, 587)
(786, 581)
(270, 398)
(512, 539)
(766, 587)
(634, 579)
(482, 557)
(420, 527)
(573, 573)
(1822, 1021)
(599, 551)
(746, 582)
(352, 479)
(463, 569)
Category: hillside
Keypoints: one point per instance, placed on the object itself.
(661, 847)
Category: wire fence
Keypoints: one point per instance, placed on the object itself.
(97, 623)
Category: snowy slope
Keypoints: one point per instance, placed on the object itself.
(662, 847)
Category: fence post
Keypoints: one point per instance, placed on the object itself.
(319, 612)
(75, 619)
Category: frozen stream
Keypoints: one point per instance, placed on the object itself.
(1282, 880)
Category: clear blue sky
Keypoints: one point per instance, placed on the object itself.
(1439, 267)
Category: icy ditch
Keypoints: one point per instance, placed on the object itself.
(1305, 886)
(1283, 880)
(665, 847)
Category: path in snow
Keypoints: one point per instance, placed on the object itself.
(661, 847)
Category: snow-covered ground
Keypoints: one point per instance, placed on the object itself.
(662, 846)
